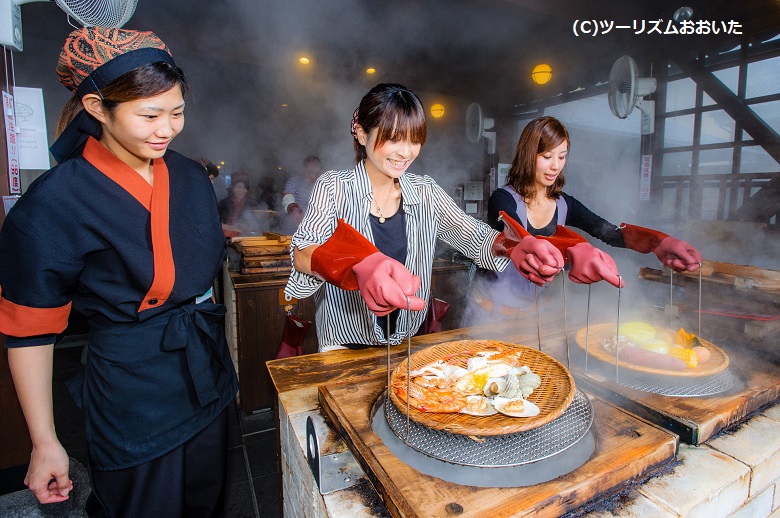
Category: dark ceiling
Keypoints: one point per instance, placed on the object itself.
(481, 49)
(241, 57)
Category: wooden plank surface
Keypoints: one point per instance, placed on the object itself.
(626, 449)
(695, 419)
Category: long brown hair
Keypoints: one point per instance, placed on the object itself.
(541, 135)
(140, 83)
(396, 111)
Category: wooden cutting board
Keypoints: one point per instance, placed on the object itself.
(626, 449)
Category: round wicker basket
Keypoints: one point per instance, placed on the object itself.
(552, 397)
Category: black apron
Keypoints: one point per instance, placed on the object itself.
(150, 386)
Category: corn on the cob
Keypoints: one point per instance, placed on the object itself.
(686, 355)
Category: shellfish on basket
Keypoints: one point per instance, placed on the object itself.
(453, 387)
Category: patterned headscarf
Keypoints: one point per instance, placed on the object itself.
(92, 57)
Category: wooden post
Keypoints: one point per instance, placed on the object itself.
(15, 444)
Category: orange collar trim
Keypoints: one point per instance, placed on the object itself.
(156, 200)
(121, 173)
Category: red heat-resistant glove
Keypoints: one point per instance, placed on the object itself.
(535, 258)
(385, 284)
(672, 252)
(588, 263)
(351, 262)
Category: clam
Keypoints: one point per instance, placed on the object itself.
(521, 371)
(478, 406)
(515, 407)
(494, 386)
(528, 383)
(508, 387)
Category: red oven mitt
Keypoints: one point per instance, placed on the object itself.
(535, 258)
(351, 262)
(672, 252)
(588, 263)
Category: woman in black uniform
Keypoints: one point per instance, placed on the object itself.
(127, 232)
(533, 196)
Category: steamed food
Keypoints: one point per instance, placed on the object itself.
(642, 344)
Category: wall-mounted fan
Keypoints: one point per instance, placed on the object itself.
(89, 13)
(476, 126)
(626, 90)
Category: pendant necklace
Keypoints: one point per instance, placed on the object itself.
(379, 209)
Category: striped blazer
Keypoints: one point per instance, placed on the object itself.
(341, 316)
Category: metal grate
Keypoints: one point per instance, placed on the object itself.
(653, 383)
(501, 450)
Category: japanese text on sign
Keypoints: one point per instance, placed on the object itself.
(663, 27)
(14, 181)
(644, 179)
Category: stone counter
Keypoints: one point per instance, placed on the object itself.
(733, 474)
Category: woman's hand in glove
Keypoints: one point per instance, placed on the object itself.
(384, 284)
(589, 265)
(536, 259)
(672, 252)
(678, 255)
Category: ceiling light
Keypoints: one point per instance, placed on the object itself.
(370, 70)
(304, 60)
(541, 74)
(437, 110)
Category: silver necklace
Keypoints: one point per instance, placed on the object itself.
(378, 208)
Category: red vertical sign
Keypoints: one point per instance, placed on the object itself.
(13, 152)
(644, 180)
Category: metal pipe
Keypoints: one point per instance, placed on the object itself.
(617, 336)
(408, 360)
(387, 398)
(587, 328)
(565, 323)
(671, 297)
(538, 329)
(699, 299)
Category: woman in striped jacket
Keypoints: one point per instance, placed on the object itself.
(365, 247)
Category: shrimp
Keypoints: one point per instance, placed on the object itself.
(430, 399)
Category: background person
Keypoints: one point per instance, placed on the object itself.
(235, 210)
(126, 232)
(297, 189)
